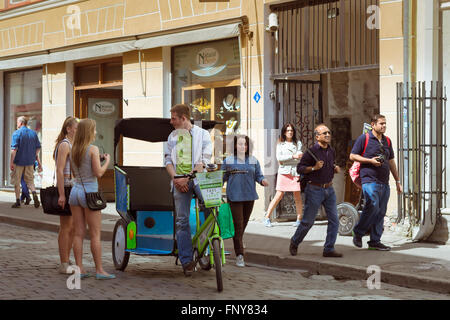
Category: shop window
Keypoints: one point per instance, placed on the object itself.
(23, 97)
(98, 73)
(206, 77)
(87, 75)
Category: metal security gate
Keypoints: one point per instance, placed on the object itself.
(421, 155)
(325, 36)
(298, 102)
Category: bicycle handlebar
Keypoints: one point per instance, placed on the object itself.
(192, 175)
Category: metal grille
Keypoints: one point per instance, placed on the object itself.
(325, 35)
(298, 102)
(421, 153)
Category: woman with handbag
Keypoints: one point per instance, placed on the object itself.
(288, 155)
(61, 155)
(241, 189)
(87, 168)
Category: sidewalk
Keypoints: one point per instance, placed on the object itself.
(416, 265)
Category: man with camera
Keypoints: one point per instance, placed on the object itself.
(375, 153)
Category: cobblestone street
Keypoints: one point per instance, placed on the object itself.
(29, 261)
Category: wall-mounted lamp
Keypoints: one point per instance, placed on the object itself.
(273, 23)
(332, 13)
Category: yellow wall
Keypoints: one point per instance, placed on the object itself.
(142, 87)
(391, 72)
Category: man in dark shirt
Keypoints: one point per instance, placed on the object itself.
(319, 191)
(377, 161)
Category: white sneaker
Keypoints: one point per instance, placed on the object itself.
(267, 223)
(240, 261)
(296, 223)
(63, 268)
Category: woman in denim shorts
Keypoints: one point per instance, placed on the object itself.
(87, 168)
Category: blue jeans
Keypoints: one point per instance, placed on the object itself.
(25, 192)
(78, 195)
(314, 198)
(376, 196)
(182, 202)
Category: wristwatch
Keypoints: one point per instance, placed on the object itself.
(312, 169)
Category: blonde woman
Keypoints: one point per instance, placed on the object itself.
(61, 155)
(87, 168)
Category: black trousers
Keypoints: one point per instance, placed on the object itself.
(241, 212)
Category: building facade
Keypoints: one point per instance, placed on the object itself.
(332, 61)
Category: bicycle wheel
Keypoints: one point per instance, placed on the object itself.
(217, 263)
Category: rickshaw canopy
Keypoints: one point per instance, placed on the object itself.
(149, 129)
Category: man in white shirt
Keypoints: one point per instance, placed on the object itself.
(189, 148)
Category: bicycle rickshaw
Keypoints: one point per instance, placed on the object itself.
(145, 204)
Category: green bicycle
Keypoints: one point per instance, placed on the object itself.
(207, 243)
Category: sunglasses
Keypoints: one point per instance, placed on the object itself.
(325, 133)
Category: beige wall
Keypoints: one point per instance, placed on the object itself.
(391, 72)
(53, 113)
(142, 87)
(142, 83)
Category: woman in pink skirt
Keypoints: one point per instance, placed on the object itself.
(288, 155)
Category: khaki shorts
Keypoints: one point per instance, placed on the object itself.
(28, 175)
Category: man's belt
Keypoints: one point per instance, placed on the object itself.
(323, 185)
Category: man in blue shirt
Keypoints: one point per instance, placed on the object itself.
(319, 171)
(377, 161)
(25, 149)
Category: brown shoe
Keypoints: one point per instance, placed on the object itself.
(189, 268)
(36, 201)
(332, 254)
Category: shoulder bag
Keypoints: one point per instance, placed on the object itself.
(49, 198)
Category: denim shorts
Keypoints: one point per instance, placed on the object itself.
(78, 196)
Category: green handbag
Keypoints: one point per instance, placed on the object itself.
(225, 220)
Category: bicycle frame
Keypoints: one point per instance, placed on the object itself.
(205, 233)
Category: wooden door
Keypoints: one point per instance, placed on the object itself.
(105, 107)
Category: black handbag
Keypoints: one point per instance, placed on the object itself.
(49, 200)
(95, 200)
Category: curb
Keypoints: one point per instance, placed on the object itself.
(345, 271)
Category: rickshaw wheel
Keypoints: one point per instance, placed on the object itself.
(217, 263)
(348, 217)
(119, 243)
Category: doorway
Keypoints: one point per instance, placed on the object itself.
(98, 96)
(105, 107)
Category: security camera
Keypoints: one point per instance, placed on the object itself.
(273, 22)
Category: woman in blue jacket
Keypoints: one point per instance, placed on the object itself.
(241, 189)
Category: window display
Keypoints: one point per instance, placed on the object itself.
(23, 97)
(207, 78)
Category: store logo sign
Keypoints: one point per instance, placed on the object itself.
(207, 57)
(103, 108)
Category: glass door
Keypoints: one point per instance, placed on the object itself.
(105, 107)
